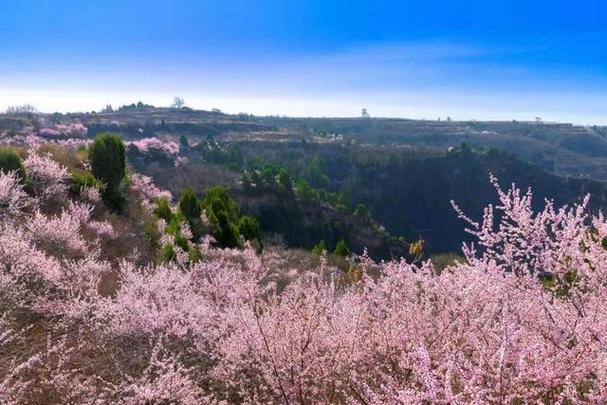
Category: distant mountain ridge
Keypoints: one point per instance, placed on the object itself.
(561, 148)
(404, 172)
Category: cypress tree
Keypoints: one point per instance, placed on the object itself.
(108, 162)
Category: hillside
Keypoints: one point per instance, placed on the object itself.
(409, 190)
(563, 149)
(284, 217)
(111, 294)
(399, 170)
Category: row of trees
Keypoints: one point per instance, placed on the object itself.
(216, 214)
(275, 178)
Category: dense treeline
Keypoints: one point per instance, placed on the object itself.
(407, 191)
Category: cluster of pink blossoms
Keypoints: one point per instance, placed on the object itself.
(12, 197)
(146, 190)
(154, 145)
(47, 177)
(523, 320)
(72, 130)
(68, 135)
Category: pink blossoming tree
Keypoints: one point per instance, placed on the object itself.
(522, 320)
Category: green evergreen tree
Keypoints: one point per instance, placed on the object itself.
(183, 141)
(220, 193)
(189, 205)
(226, 232)
(167, 254)
(341, 249)
(223, 213)
(11, 161)
(304, 191)
(320, 248)
(284, 181)
(249, 228)
(163, 210)
(108, 163)
(190, 208)
(362, 211)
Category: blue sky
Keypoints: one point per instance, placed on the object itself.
(418, 59)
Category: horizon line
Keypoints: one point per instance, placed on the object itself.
(298, 116)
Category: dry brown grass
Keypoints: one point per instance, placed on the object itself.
(72, 158)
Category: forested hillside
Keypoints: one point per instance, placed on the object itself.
(113, 290)
(410, 191)
(379, 184)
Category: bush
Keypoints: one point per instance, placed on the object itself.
(108, 161)
(341, 249)
(11, 161)
(167, 254)
(189, 204)
(361, 211)
(226, 231)
(194, 254)
(444, 260)
(249, 228)
(304, 191)
(82, 179)
(150, 231)
(163, 210)
(183, 141)
(320, 248)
